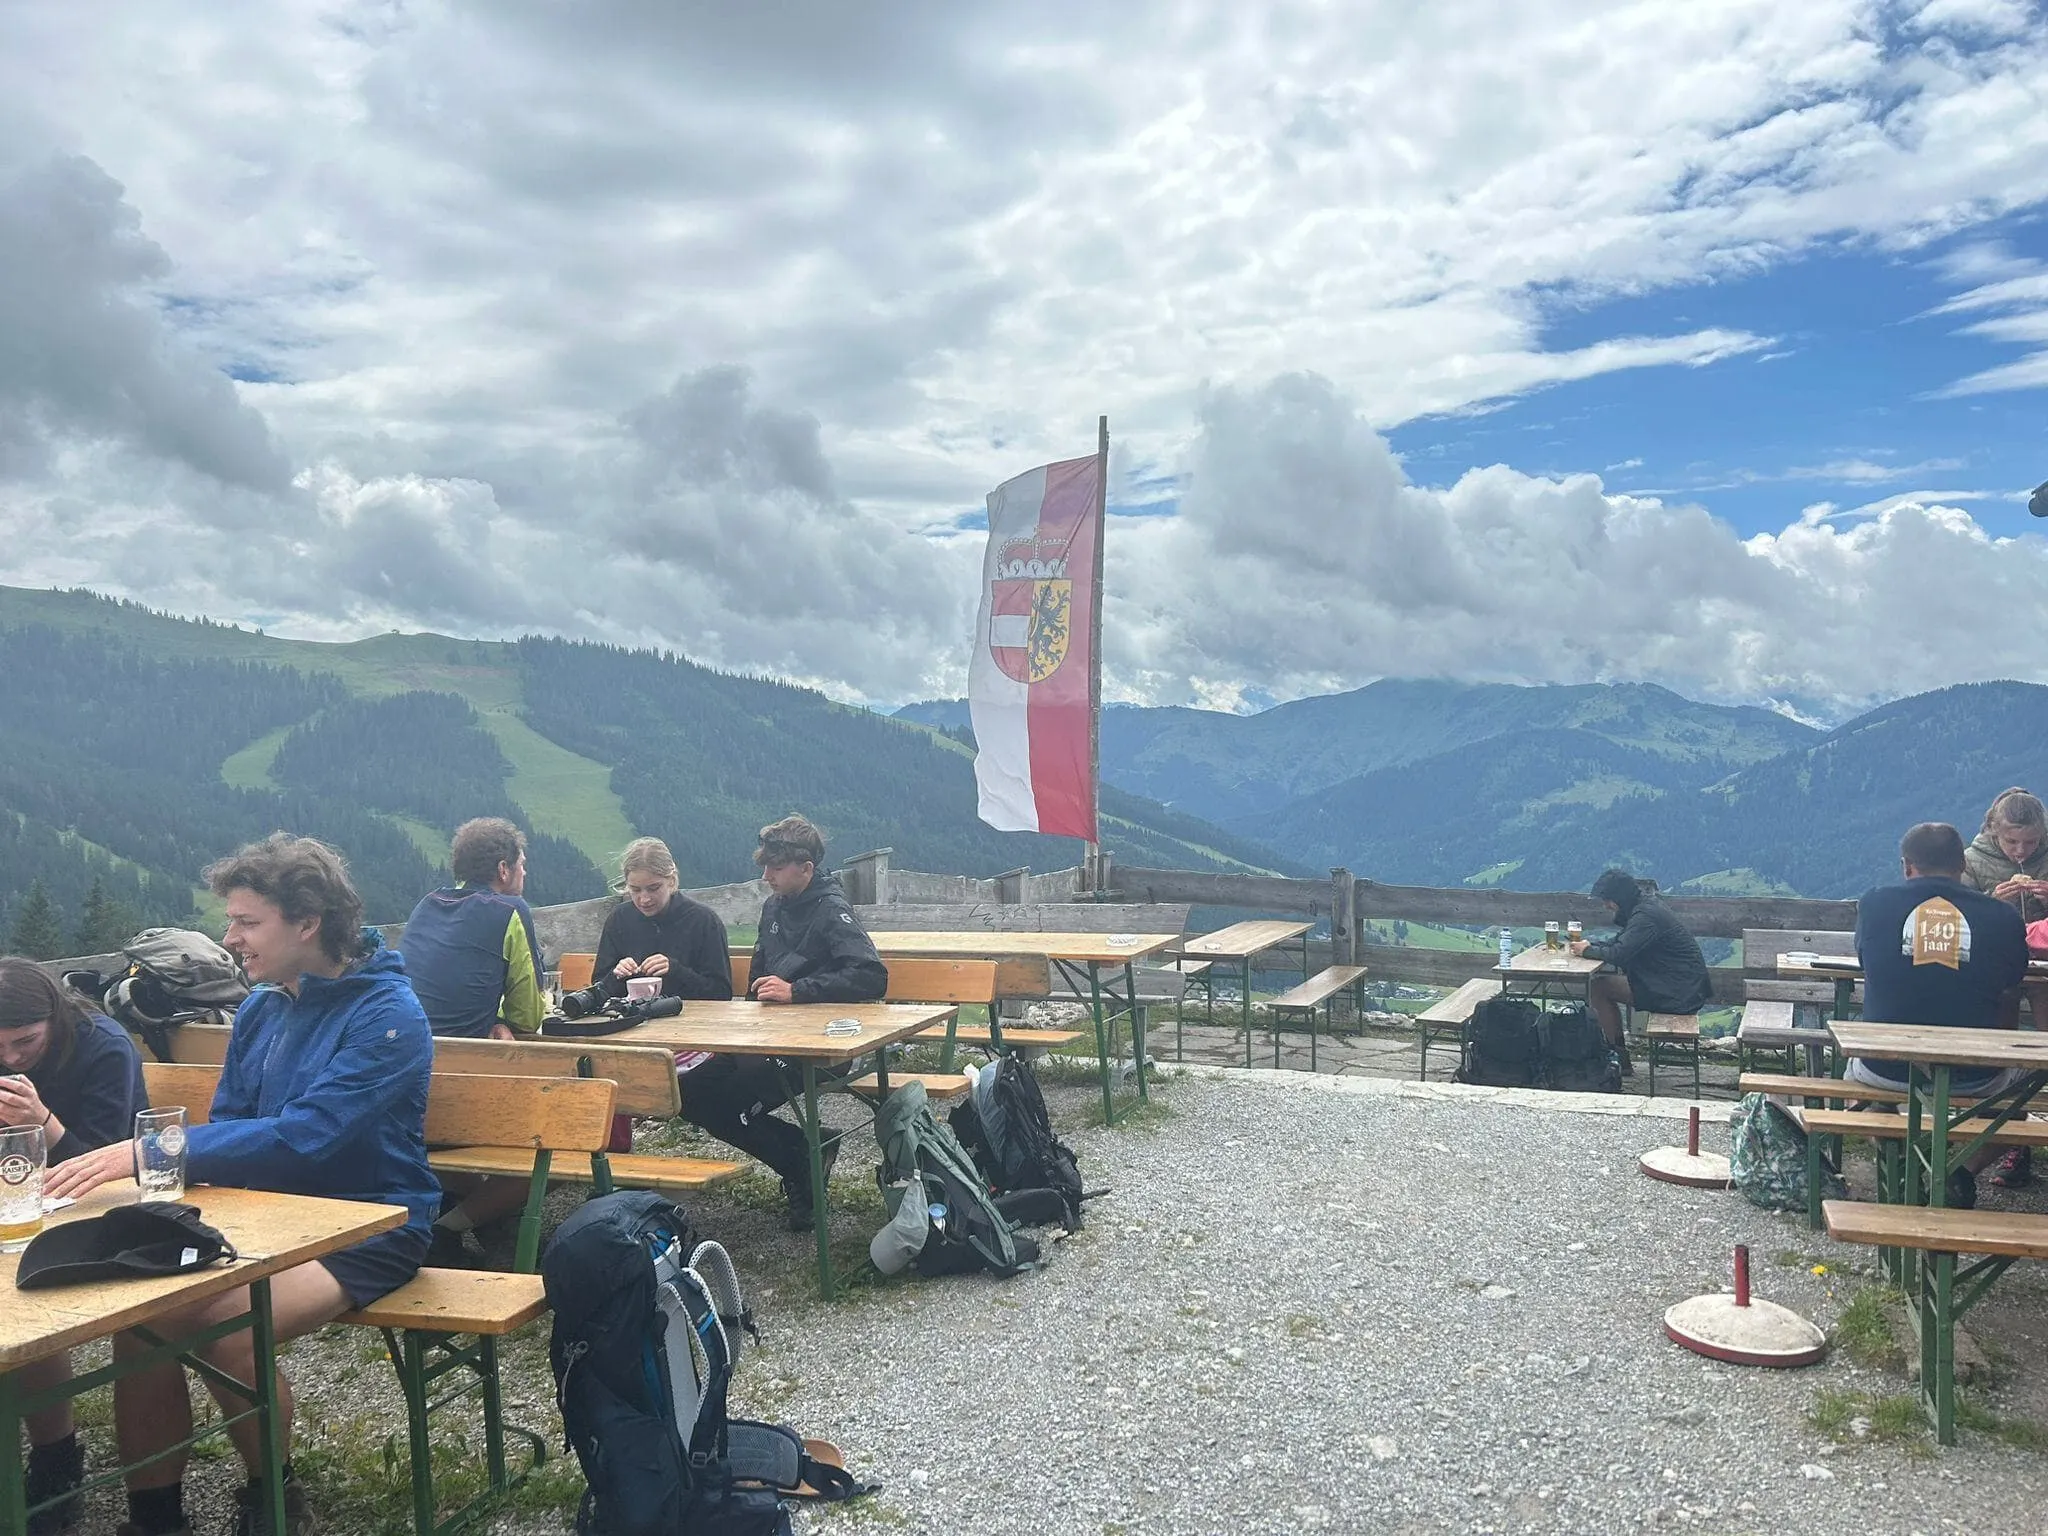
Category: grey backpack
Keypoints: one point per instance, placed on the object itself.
(174, 976)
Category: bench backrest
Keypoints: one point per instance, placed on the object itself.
(1761, 947)
(1027, 917)
(645, 1074)
(576, 971)
(558, 1114)
(911, 980)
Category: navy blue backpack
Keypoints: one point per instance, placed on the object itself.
(647, 1330)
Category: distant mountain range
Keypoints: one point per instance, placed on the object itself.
(137, 747)
(1438, 783)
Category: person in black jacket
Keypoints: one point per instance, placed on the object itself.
(658, 931)
(811, 948)
(1660, 965)
(76, 1074)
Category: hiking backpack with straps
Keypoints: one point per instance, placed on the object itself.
(647, 1329)
(1004, 1124)
(1503, 1047)
(964, 1228)
(174, 976)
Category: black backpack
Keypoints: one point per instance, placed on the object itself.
(1004, 1125)
(647, 1328)
(976, 1230)
(1576, 1056)
(1503, 1047)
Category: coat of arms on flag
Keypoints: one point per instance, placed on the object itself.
(1031, 681)
(1031, 610)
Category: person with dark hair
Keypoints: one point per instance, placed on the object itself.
(1657, 964)
(658, 931)
(810, 948)
(324, 1092)
(470, 948)
(1934, 951)
(76, 1074)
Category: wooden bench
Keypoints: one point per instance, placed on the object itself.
(425, 1319)
(1945, 1292)
(1449, 1015)
(576, 971)
(645, 1076)
(1320, 990)
(1774, 1004)
(1675, 1036)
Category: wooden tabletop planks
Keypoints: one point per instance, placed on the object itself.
(272, 1233)
(1241, 941)
(988, 944)
(1540, 964)
(785, 1029)
(1939, 1044)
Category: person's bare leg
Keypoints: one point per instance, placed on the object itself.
(484, 1201)
(51, 1424)
(1609, 992)
(153, 1409)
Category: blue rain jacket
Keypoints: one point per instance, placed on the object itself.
(326, 1093)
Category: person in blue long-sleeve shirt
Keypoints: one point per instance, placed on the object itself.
(76, 1074)
(324, 1092)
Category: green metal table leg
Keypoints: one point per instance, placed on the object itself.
(1939, 1383)
(820, 1198)
(526, 1259)
(409, 1352)
(1137, 1026)
(1244, 1001)
(269, 1433)
(494, 1415)
(13, 1483)
(1102, 1069)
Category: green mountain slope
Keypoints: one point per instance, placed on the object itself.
(141, 746)
(1230, 768)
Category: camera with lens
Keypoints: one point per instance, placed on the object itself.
(593, 1011)
(591, 999)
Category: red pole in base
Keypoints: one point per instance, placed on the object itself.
(1692, 1132)
(1742, 1274)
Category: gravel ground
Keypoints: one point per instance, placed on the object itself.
(1325, 1304)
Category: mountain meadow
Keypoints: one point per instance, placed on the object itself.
(1442, 783)
(139, 747)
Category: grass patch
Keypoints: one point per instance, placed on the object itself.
(361, 1481)
(1979, 1418)
(1864, 1418)
(1132, 1113)
(1866, 1330)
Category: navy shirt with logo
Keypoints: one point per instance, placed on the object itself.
(1989, 948)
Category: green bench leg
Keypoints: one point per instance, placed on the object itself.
(421, 1359)
(527, 1258)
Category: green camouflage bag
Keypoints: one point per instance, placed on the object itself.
(1767, 1156)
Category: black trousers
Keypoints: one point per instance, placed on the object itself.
(734, 1097)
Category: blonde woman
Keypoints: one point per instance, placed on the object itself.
(2008, 858)
(658, 931)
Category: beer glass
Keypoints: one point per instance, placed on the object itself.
(160, 1154)
(22, 1159)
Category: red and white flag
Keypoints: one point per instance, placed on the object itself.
(1029, 687)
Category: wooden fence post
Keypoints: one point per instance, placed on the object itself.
(866, 877)
(1010, 886)
(1343, 936)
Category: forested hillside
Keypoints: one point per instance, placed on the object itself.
(140, 747)
(706, 760)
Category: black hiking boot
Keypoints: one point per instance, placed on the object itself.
(54, 1471)
(800, 1216)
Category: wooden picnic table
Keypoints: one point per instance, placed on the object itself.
(1080, 957)
(1240, 944)
(1937, 1139)
(1846, 970)
(1539, 969)
(795, 1032)
(271, 1233)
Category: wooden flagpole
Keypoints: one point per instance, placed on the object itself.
(1092, 865)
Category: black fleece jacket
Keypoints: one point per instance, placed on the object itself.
(813, 941)
(1665, 969)
(687, 931)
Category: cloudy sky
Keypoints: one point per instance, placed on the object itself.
(1537, 341)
